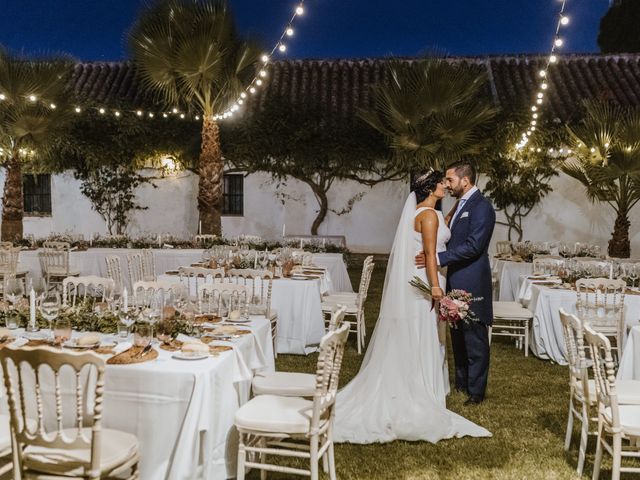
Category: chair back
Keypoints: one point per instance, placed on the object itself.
(503, 247)
(260, 286)
(148, 265)
(327, 375)
(204, 240)
(337, 317)
(54, 262)
(31, 377)
(604, 374)
(365, 281)
(547, 264)
(597, 268)
(200, 275)
(6, 245)
(51, 245)
(9, 257)
(134, 265)
(144, 292)
(222, 298)
(90, 285)
(600, 303)
(114, 271)
(574, 343)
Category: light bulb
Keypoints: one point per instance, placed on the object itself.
(240, 102)
(53, 106)
(175, 110)
(538, 149)
(558, 42)
(252, 90)
(539, 101)
(263, 73)
(116, 113)
(543, 73)
(77, 109)
(533, 122)
(150, 115)
(299, 10)
(540, 95)
(564, 20)
(32, 98)
(289, 32)
(544, 86)
(265, 58)
(197, 117)
(606, 145)
(243, 95)
(139, 113)
(182, 115)
(551, 150)
(535, 115)
(533, 128)
(258, 82)
(164, 115)
(553, 59)
(593, 150)
(534, 108)
(282, 47)
(101, 111)
(2, 96)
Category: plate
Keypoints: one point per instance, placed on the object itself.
(72, 344)
(189, 356)
(239, 320)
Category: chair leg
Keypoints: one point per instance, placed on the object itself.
(567, 437)
(526, 339)
(242, 454)
(598, 460)
(490, 331)
(584, 433)
(314, 458)
(263, 458)
(617, 456)
(332, 461)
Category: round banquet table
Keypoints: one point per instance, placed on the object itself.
(181, 411)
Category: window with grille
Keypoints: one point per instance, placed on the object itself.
(37, 194)
(233, 195)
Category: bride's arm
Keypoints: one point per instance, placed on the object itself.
(429, 231)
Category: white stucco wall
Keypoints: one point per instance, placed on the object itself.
(565, 214)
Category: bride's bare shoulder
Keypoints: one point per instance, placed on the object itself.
(427, 219)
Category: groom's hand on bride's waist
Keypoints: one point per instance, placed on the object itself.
(421, 260)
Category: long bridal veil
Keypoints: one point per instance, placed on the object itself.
(399, 390)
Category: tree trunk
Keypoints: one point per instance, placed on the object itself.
(13, 202)
(211, 171)
(619, 245)
(321, 196)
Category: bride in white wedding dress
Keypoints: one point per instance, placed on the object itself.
(400, 391)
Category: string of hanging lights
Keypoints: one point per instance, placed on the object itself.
(258, 81)
(543, 86)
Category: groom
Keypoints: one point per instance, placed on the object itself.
(471, 223)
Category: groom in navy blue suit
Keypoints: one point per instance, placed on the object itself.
(471, 222)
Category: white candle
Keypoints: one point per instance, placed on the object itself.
(611, 270)
(300, 243)
(255, 260)
(125, 299)
(32, 309)
(200, 227)
(284, 230)
(159, 241)
(323, 242)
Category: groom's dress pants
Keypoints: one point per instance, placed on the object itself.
(471, 352)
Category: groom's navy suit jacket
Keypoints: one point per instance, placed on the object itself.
(466, 257)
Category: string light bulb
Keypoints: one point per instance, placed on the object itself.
(299, 10)
(139, 113)
(78, 109)
(265, 58)
(52, 106)
(32, 98)
(558, 42)
(282, 47)
(101, 111)
(564, 20)
(289, 32)
(2, 96)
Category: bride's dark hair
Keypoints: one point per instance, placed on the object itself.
(425, 184)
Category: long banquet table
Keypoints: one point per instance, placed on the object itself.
(629, 368)
(508, 274)
(92, 262)
(547, 337)
(182, 411)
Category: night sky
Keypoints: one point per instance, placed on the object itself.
(95, 29)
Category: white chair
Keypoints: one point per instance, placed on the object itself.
(77, 446)
(260, 284)
(221, 298)
(148, 265)
(293, 384)
(503, 247)
(510, 319)
(5, 443)
(114, 271)
(199, 275)
(355, 307)
(54, 262)
(600, 303)
(620, 423)
(294, 426)
(547, 264)
(205, 240)
(365, 278)
(90, 285)
(144, 293)
(135, 268)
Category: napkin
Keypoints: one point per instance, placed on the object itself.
(132, 355)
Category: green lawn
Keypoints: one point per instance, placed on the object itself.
(525, 409)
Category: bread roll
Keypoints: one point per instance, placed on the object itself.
(195, 348)
(234, 315)
(90, 338)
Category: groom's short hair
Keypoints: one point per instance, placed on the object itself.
(465, 169)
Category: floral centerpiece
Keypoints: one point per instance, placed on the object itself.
(455, 306)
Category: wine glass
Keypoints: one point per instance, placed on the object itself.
(13, 289)
(62, 331)
(50, 307)
(633, 275)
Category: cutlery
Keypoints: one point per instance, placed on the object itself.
(145, 350)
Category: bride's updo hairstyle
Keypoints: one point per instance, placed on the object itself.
(425, 184)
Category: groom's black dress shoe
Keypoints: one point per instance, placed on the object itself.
(462, 390)
(473, 400)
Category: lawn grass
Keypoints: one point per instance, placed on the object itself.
(525, 409)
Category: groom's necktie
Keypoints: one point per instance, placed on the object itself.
(458, 210)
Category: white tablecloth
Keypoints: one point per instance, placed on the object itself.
(508, 275)
(547, 337)
(92, 262)
(182, 411)
(629, 368)
(527, 281)
(298, 304)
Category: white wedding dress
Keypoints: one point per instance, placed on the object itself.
(400, 391)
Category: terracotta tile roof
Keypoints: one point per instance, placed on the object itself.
(340, 87)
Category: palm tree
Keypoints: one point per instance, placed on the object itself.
(33, 95)
(606, 146)
(432, 112)
(190, 53)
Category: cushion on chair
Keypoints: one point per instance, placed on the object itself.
(341, 297)
(287, 384)
(329, 307)
(510, 311)
(116, 448)
(629, 419)
(628, 391)
(273, 413)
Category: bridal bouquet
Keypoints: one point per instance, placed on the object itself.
(454, 306)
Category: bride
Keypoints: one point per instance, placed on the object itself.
(400, 390)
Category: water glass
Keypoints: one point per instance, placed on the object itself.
(50, 307)
(123, 331)
(142, 335)
(62, 331)
(12, 320)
